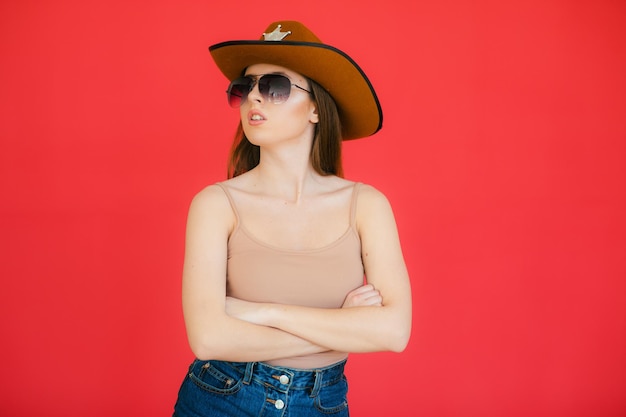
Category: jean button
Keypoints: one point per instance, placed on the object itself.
(279, 404)
(284, 379)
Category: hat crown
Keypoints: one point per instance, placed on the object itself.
(289, 31)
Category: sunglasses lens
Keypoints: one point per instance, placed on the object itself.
(238, 91)
(275, 88)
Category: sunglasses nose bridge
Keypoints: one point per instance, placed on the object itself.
(254, 92)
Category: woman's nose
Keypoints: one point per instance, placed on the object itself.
(255, 94)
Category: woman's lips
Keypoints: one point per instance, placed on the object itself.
(255, 117)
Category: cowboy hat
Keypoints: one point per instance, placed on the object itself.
(291, 45)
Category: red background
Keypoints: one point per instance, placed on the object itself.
(503, 152)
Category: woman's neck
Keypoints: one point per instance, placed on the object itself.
(289, 179)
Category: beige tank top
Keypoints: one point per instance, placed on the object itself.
(316, 278)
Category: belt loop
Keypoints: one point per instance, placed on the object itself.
(318, 383)
(248, 375)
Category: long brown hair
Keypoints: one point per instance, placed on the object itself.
(325, 149)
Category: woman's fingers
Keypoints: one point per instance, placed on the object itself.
(365, 295)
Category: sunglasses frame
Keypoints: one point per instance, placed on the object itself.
(265, 88)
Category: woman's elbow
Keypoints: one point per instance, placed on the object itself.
(204, 338)
(204, 348)
(399, 341)
(199, 349)
(398, 336)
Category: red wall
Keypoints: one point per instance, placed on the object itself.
(503, 151)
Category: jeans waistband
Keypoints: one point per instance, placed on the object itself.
(283, 379)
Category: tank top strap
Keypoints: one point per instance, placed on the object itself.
(355, 195)
(230, 200)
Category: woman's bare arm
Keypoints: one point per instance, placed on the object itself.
(212, 333)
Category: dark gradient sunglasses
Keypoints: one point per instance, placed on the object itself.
(274, 88)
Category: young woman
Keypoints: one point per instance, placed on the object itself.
(288, 266)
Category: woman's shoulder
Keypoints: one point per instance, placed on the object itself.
(241, 183)
(221, 189)
(372, 205)
(366, 194)
(370, 194)
(211, 200)
(210, 192)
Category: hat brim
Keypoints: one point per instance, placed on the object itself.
(357, 103)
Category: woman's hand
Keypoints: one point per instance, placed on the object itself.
(363, 296)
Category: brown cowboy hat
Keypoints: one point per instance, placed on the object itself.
(291, 45)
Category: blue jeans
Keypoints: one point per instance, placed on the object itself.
(228, 389)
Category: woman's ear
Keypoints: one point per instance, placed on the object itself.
(314, 118)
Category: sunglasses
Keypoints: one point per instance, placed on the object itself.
(274, 88)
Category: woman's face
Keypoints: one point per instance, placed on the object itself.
(266, 123)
